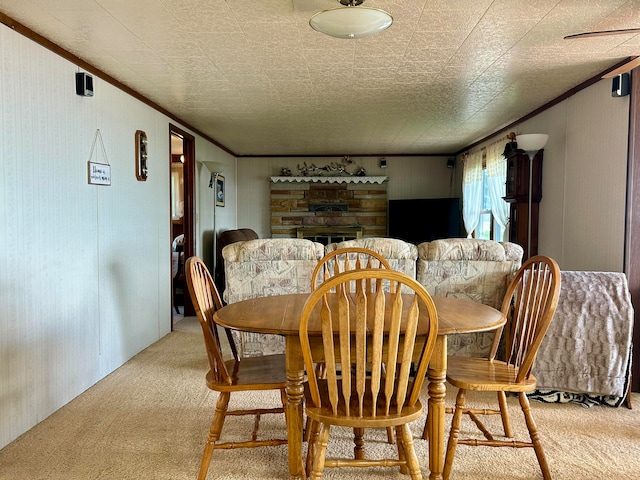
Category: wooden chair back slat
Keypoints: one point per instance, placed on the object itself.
(360, 360)
(377, 340)
(407, 351)
(329, 355)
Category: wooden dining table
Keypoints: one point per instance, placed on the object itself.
(280, 315)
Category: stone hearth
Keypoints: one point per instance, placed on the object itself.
(304, 202)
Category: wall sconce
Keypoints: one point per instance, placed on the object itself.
(531, 143)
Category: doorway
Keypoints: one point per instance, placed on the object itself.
(182, 224)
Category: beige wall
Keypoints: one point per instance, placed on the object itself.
(225, 217)
(84, 270)
(582, 212)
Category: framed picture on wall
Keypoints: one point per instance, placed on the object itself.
(220, 191)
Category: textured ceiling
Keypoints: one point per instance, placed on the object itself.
(253, 76)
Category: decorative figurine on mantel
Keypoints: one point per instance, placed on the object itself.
(330, 170)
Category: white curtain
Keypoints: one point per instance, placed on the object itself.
(496, 181)
(472, 191)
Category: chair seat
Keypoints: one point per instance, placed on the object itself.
(255, 373)
(325, 414)
(481, 374)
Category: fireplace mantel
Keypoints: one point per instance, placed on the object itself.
(376, 179)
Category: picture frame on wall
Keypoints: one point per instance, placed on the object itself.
(219, 191)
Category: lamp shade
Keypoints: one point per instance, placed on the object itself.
(214, 167)
(532, 142)
(351, 22)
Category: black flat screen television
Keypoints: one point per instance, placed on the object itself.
(425, 219)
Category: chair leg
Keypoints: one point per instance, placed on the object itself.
(425, 431)
(454, 433)
(312, 438)
(320, 451)
(533, 433)
(412, 464)
(504, 413)
(402, 456)
(391, 435)
(283, 399)
(214, 433)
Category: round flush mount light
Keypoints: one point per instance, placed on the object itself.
(351, 20)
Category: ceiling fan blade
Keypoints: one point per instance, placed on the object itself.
(603, 33)
(630, 65)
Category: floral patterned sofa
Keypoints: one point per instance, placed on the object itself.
(477, 270)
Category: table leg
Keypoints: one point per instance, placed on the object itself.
(295, 395)
(436, 417)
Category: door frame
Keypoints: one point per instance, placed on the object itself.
(632, 234)
(189, 223)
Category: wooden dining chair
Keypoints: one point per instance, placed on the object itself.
(333, 263)
(233, 375)
(529, 305)
(376, 327)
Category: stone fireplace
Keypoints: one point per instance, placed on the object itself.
(328, 208)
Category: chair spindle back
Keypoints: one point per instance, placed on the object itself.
(344, 260)
(374, 325)
(206, 301)
(529, 305)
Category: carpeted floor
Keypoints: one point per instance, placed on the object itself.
(149, 420)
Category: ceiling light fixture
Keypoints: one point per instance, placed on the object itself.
(351, 20)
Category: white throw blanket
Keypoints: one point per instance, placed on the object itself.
(587, 348)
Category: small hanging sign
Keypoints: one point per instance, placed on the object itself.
(99, 173)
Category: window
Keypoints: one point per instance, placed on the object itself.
(488, 228)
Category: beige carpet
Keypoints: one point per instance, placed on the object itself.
(149, 420)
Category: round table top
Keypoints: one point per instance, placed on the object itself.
(280, 314)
